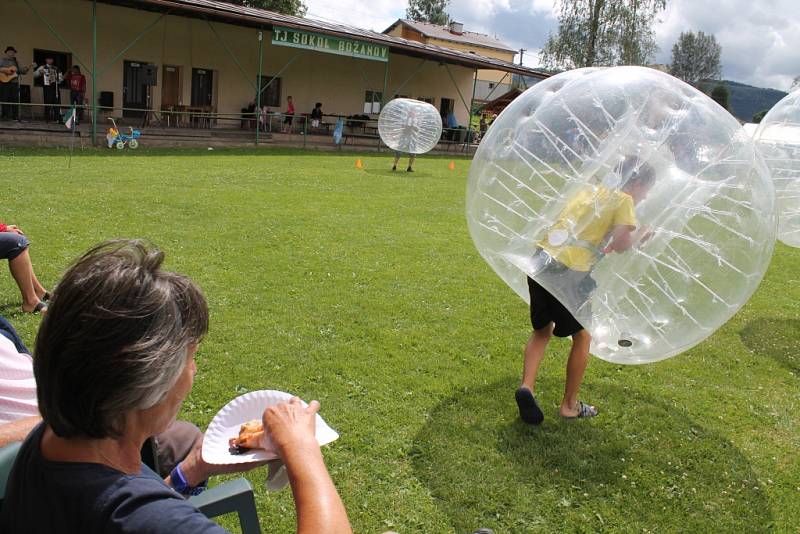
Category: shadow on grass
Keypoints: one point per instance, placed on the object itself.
(389, 173)
(641, 465)
(7, 309)
(778, 339)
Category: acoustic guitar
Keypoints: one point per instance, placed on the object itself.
(10, 73)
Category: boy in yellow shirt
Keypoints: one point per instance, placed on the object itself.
(596, 221)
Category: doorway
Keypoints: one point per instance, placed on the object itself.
(171, 87)
(202, 87)
(135, 90)
(446, 106)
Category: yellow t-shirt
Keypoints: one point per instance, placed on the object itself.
(587, 218)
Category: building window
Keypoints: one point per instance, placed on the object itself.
(62, 60)
(372, 101)
(271, 96)
(491, 85)
(428, 99)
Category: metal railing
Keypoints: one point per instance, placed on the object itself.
(356, 131)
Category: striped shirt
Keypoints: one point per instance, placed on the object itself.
(17, 385)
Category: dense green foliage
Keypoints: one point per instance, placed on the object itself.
(362, 288)
(432, 11)
(602, 33)
(287, 7)
(695, 57)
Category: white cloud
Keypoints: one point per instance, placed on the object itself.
(374, 15)
(759, 39)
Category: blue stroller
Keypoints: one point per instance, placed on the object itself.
(115, 138)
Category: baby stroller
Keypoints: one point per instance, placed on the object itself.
(117, 139)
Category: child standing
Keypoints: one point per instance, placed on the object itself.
(594, 216)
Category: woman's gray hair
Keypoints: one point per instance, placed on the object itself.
(115, 339)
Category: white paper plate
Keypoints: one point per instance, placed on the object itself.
(226, 423)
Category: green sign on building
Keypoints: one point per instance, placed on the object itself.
(326, 43)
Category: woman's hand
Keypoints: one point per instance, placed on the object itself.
(291, 427)
(196, 470)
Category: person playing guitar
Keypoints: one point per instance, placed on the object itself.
(9, 83)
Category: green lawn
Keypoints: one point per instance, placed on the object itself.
(362, 288)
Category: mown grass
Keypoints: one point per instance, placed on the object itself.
(361, 288)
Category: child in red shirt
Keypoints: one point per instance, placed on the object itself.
(77, 89)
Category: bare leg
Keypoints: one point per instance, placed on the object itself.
(396, 159)
(37, 287)
(22, 271)
(534, 354)
(576, 366)
(411, 159)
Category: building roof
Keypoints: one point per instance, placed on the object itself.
(499, 104)
(258, 18)
(443, 32)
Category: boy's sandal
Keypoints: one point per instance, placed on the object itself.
(39, 308)
(529, 411)
(584, 411)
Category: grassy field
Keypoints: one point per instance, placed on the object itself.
(362, 288)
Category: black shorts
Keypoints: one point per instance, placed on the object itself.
(545, 308)
(288, 119)
(12, 245)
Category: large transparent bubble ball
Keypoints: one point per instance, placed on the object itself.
(411, 126)
(778, 141)
(633, 152)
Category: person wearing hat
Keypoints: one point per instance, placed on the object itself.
(51, 80)
(9, 83)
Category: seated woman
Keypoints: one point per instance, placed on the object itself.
(316, 115)
(14, 247)
(115, 357)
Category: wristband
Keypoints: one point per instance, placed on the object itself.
(180, 485)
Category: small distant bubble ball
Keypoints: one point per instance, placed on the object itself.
(778, 141)
(633, 198)
(410, 126)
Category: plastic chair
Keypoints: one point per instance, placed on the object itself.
(234, 496)
(7, 456)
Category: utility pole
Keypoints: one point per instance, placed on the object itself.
(521, 52)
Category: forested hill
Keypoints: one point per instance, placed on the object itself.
(747, 100)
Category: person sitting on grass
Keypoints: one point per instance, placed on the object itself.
(597, 215)
(14, 247)
(115, 358)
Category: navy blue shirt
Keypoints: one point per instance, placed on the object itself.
(44, 496)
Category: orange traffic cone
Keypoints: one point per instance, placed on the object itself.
(359, 165)
(452, 165)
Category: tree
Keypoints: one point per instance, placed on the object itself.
(759, 116)
(432, 11)
(287, 7)
(721, 95)
(602, 33)
(695, 57)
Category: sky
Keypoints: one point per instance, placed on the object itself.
(760, 39)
